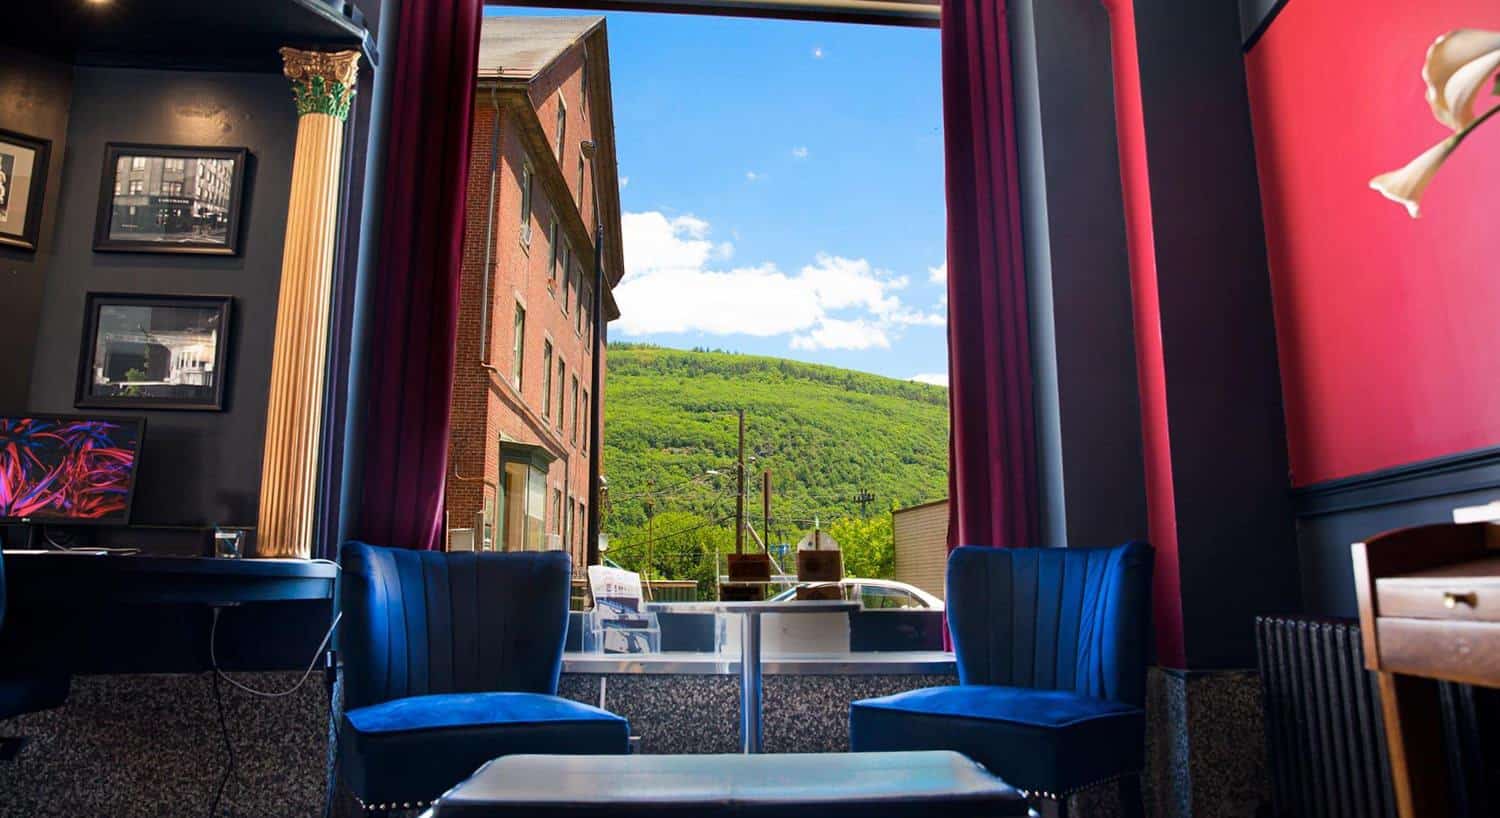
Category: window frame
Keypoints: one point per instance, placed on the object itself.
(562, 127)
(547, 355)
(562, 380)
(518, 346)
(528, 179)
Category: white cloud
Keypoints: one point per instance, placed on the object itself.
(624, 182)
(674, 284)
(818, 52)
(800, 152)
(938, 274)
(836, 333)
(934, 378)
(752, 176)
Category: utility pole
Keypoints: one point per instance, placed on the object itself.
(765, 502)
(650, 537)
(739, 494)
(864, 498)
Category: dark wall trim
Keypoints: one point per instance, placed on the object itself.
(1256, 17)
(1477, 470)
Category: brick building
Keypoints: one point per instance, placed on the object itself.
(522, 396)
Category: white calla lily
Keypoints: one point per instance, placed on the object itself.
(1460, 64)
(1407, 184)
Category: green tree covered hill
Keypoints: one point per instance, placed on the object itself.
(825, 434)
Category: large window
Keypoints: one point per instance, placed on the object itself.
(562, 127)
(518, 350)
(546, 379)
(523, 496)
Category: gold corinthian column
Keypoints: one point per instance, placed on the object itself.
(323, 84)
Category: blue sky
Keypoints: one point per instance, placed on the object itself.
(782, 184)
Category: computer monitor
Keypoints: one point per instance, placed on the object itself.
(66, 469)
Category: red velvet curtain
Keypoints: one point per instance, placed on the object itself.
(992, 452)
(415, 311)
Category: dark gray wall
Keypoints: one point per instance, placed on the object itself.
(1236, 547)
(34, 96)
(1091, 471)
(197, 468)
(1255, 15)
(1335, 514)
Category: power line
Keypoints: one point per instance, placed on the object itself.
(678, 532)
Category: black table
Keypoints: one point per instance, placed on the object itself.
(57, 577)
(826, 785)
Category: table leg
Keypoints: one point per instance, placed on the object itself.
(750, 699)
(1413, 729)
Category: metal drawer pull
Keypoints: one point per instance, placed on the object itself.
(1452, 600)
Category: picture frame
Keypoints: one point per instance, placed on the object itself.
(172, 199)
(145, 351)
(23, 188)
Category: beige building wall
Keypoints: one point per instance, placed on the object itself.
(921, 540)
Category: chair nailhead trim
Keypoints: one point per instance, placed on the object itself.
(1056, 797)
(393, 805)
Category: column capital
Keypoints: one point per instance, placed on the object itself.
(322, 81)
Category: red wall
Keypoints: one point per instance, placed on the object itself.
(1388, 328)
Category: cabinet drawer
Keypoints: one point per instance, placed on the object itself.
(1468, 592)
(1457, 651)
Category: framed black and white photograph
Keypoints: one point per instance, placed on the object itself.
(154, 351)
(170, 199)
(23, 184)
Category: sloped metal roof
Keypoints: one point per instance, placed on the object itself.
(522, 47)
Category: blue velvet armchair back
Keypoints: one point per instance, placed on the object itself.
(419, 622)
(1075, 619)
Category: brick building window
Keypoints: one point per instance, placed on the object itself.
(580, 182)
(562, 371)
(523, 496)
(573, 393)
(546, 379)
(585, 296)
(555, 251)
(562, 127)
(567, 284)
(588, 418)
(518, 349)
(526, 179)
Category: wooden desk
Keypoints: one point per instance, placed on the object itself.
(1429, 610)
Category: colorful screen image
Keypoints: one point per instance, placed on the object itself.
(68, 469)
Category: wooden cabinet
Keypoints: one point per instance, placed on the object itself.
(1429, 610)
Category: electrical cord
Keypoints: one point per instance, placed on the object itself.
(213, 808)
(47, 536)
(213, 659)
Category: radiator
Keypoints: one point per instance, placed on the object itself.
(1324, 731)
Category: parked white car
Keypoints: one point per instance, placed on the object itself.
(876, 594)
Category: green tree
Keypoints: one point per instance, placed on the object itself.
(868, 544)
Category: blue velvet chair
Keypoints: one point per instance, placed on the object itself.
(25, 691)
(448, 661)
(1052, 645)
